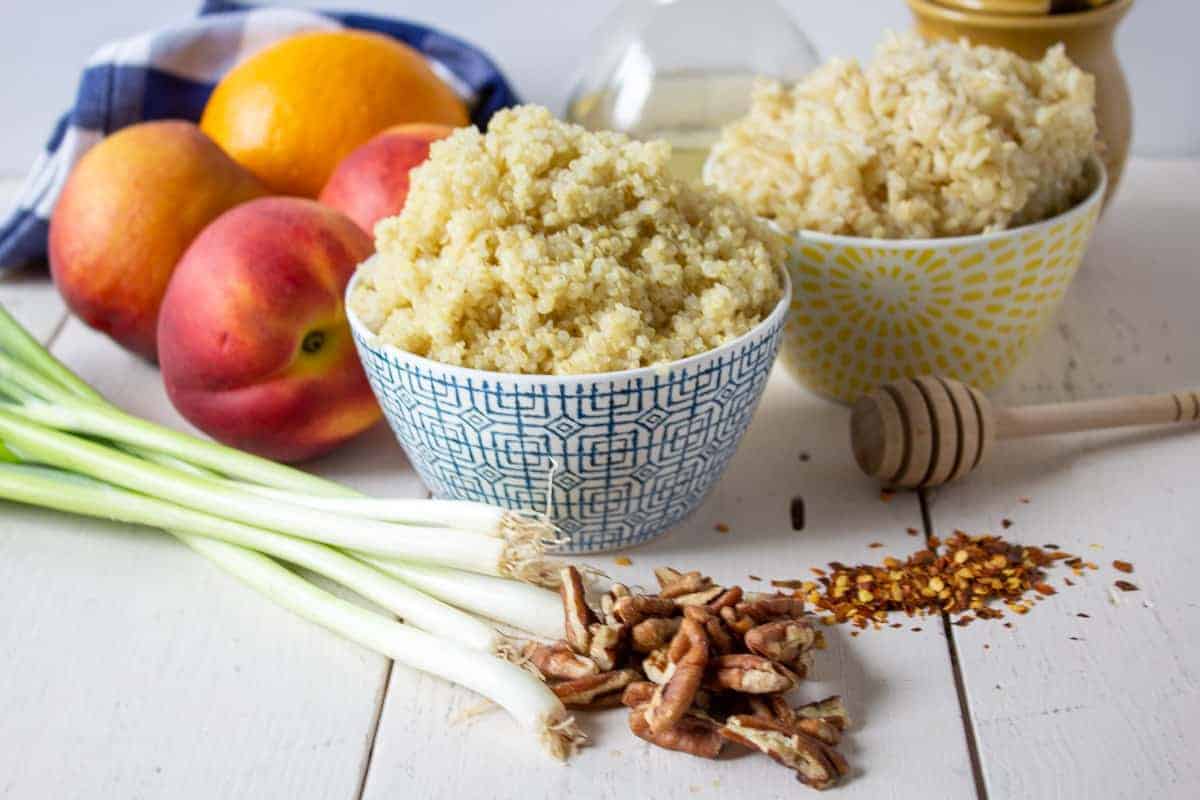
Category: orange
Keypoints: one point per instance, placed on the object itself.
(291, 112)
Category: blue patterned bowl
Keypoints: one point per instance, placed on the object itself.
(634, 452)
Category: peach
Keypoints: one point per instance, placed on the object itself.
(372, 182)
(131, 206)
(254, 345)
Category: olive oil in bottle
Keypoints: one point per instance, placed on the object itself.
(680, 70)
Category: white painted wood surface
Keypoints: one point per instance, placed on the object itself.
(130, 668)
(1114, 712)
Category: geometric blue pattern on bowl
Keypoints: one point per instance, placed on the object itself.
(634, 452)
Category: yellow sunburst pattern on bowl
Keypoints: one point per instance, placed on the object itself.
(865, 312)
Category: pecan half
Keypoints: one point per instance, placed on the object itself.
(688, 655)
(603, 690)
(831, 710)
(816, 764)
(819, 729)
(638, 693)
(751, 674)
(691, 734)
(726, 599)
(657, 666)
(673, 583)
(770, 607)
(699, 598)
(738, 622)
(559, 661)
(651, 634)
(632, 610)
(607, 642)
(784, 641)
(577, 615)
(609, 599)
(718, 635)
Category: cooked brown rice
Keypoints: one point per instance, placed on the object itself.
(940, 139)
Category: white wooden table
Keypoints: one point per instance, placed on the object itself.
(130, 668)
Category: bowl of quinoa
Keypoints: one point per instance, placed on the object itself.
(555, 321)
(937, 201)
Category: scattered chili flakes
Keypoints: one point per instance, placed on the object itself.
(721, 527)
(1006, 523)
(1123, 566)
(1125, 586)
(875, 545)
(912, 531)
(796, 510)
(971, 573)
(754, 577)
(623, 561)
(791, 584)
(886, 495)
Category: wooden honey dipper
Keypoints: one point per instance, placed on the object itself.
(926, 431)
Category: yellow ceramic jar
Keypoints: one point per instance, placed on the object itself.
(1088, 38)
(866, 311)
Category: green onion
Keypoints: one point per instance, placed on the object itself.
(518, 556)
(439, 565)
(50, 488)
(517, 691)
(518, 605)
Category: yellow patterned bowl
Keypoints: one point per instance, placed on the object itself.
(866, 311)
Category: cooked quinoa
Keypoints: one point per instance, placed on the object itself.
(928, 139)
(543, 248)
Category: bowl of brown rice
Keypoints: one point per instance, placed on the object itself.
(937, 202)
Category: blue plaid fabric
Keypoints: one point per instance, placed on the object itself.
(169, 73)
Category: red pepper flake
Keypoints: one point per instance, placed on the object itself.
(820, 573)
(1006, 523)
(623, 561)
(1125, 586)
(912, 531)
(1085, 616)
(1075, 638)
(1068, 582)
(963, 621)
(886, 495)
(797, 513)
(804, 457)
(1123, 566)
(1051, 547)
(854, 633)
(987, 646)
(1024, 500)
(917, 629)
(721, 527)
(1044, 588)
(1008, 625)
(788, 584)
(874, 545)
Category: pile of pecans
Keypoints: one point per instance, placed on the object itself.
(700, 666)
(964, 578)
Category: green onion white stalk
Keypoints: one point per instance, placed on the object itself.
(519, 605)
(519, 555)
(517, 691)
(50, 488)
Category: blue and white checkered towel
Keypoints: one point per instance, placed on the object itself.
(169, 73)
